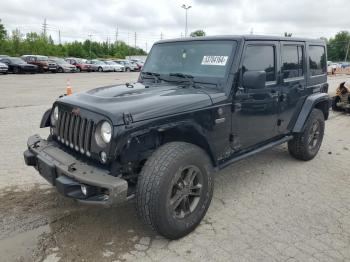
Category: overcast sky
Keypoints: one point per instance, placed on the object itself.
(76, 19)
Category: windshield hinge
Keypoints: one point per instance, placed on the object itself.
(127, 117)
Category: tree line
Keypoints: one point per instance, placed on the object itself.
(34, 43)
(338, 47)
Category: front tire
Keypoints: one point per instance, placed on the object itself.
(174, 189)
(305, 145)
(100, 69)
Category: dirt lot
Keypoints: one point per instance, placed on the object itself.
(269, 207)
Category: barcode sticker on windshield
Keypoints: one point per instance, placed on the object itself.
(214, 60)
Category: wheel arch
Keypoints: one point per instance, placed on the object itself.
(149, 140)
(320, 101)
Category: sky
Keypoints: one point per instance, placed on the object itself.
(155, 19)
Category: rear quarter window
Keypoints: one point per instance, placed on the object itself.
(317, 60)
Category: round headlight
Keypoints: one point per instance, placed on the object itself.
(54, 116)
(106, 132)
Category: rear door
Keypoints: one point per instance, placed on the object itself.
(293, 83)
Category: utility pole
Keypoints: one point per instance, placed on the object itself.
(161, 36)
(347, 52)
(59, 37)
(90, 35)
(146, 47)
(116, 35)
(135, 39)
(251, 30)
(44, 28)
(186, 9)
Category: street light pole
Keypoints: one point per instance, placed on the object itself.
(186, 9)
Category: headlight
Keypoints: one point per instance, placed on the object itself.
(106, 132)
(54, 116)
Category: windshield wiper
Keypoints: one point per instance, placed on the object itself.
(155, 76)
(188, 78)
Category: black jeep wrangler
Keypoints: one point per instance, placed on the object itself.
(199, 105)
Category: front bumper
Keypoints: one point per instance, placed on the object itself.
(68, 174)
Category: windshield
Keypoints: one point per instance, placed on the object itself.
(196, 58)
(17, 61)
(42, 58)
(60, 61)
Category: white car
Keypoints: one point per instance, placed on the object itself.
(100, 66)
(116, 67)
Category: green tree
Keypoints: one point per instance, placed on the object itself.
(34, 43)
(197, 33)
(338, 46)
(3, 32)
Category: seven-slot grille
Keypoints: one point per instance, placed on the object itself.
(75, 131)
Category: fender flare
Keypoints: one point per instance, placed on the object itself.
(310, 102)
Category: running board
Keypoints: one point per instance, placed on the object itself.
(255, 151)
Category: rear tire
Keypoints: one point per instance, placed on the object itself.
(305, 145)
(334, 104)
(174, 189)
(100, 69)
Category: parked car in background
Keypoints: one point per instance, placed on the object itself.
(3, 56)
(43, 63)
(3, 68)
(138, 62)
(63, 66)
(79, 63)
(17, 65)
(127, 64)
(100, 66)
(117, 67)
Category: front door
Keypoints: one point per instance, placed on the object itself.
(255, 115)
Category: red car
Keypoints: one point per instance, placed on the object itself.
(79, 63)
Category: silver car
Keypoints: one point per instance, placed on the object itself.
(63, 66)
(100, 66)
(117, 67)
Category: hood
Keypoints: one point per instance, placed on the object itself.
(140, 101)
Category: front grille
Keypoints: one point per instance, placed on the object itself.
(75, 131)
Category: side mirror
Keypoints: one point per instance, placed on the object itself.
(254, 79)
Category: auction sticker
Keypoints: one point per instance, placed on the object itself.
(214, 60)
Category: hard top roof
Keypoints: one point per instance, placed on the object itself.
(243, 37)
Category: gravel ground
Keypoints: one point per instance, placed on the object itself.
(269, 207)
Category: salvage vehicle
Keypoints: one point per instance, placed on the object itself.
(341, 100)
(100, 66)
(129, 66)
(3, 68)
(63, 66)
(43, 63)
(79, 63)
(199, 105)
(17, 65)
(116, 67)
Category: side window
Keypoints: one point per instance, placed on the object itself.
(292, 61)
(317, 60)
(261, 58)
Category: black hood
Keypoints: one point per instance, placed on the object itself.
(140, 101)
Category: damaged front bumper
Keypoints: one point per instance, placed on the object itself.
(74, 177)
